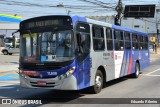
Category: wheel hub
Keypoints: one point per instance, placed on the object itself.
(137, 71)
(98, 81)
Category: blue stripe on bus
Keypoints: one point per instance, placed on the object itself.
(125, 62)
(129, 59)
(127, 29)
(78, 18)
(83, 73)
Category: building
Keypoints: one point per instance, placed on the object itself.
(148, 25)
(8, 24)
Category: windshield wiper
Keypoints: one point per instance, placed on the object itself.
(29, 33)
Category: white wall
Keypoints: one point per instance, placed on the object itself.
(7, 28)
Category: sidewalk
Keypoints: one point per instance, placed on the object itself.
(154, 56)
(8, 67)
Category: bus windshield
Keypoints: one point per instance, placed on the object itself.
(53, 46)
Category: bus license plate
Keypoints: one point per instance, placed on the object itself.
(41, 83)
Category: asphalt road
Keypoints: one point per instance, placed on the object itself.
(146, 86)
(9, 58)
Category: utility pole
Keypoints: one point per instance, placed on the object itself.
(61, 5)
(157, 30)
(119, 10)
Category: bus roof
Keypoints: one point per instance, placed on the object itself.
(83, 19)
(127, 29)
(76, 18)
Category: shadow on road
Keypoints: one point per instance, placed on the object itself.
(49, 96)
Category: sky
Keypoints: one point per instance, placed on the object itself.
(33, 8)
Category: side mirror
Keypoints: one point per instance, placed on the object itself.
(15, 32)
(79, 40)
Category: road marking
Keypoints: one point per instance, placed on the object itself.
(2, 88)
(151, 75)
(152, 71)
(154, 75)
(5, 77)
(8, 84)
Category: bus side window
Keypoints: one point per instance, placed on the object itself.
(109, 39)
(134, 42)
(98, 38)
(127, 40)
(141, 42)
(118, 39)
(145, 42)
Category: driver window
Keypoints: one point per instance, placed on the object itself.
(83, 41)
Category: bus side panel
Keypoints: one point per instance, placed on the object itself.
(97, 61)
(108, 62)
(126, 63)
(123, 63)
(145, 59)
(135, 56)
(83, 73)
(118, 57)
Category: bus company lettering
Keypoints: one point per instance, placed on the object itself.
(52, 73)
(118, 57)
(106, 54)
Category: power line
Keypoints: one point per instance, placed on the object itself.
(99, 4)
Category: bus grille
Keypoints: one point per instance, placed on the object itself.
(52, 84)
(38, 77)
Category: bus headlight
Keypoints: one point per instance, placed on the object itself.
(69, 72)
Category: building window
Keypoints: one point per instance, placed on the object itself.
(136, 26)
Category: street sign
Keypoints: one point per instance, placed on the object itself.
(138, 11)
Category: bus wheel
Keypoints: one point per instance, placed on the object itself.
(10, 53)
(5, 52)
(137, 71)
(98, 82)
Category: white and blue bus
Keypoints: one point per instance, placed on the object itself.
(65, 52)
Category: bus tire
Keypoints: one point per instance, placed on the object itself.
(5, 52)
(137, 70)
(98, 82)
(10, 53)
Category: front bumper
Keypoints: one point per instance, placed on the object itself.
(68, 83)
